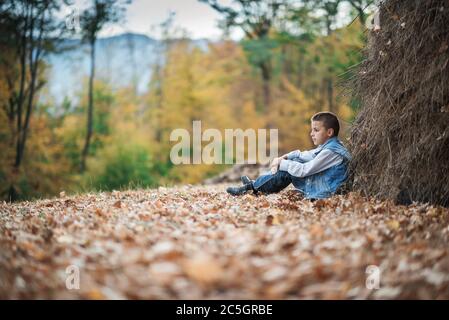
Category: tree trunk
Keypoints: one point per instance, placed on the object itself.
(266, 77)
(23, 136)
(330, 94)
(23, 66)
(22, 127)
(90, 108)
(328, 80)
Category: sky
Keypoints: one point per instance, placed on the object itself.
(197, 18)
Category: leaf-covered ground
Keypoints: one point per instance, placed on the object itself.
(197, 242)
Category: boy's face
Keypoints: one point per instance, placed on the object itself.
(319, 133)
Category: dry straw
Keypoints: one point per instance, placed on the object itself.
(400, 137)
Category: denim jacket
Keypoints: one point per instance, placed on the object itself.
(325, 183)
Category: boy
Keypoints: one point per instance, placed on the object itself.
(316, 173)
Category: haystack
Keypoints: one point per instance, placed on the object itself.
(400, 137)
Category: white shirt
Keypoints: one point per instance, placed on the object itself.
(312, 163)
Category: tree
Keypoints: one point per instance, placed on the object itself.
(92, 20)
(28, 33)
(256, 19)
(328, 10)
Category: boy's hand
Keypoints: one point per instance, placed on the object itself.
(275, 164)
(276, 161)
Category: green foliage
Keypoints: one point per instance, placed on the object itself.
(260, 51)
(124, 166)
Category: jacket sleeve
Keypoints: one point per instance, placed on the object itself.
(304, 155)
(324, 160)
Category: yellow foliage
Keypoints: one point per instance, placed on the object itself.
(291, 113)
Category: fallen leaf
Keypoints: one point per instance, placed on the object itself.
(203, 269)
(393, 224)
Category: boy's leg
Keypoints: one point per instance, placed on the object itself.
(271, 183)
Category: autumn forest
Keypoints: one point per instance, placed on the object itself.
(291, 63)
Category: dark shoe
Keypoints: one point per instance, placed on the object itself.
(245, 180)
(238, 191)
(248, 182)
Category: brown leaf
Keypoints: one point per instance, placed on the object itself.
(100, 212)
(319, 204)
(316, 231)
(393, 224)
(203, 269)
(95, 294)
(269, 221)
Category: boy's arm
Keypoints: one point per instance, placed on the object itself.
(303, 155)
(324, 160)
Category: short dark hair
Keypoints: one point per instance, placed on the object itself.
(329, 120)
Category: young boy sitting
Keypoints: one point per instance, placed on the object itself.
(316, 173)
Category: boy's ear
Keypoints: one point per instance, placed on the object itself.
(330, 132)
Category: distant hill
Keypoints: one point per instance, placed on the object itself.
(122, 60)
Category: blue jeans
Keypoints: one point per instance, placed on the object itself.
(272, 183)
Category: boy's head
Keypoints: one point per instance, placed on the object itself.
(325, 125)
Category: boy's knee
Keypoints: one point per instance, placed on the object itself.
(283, 174)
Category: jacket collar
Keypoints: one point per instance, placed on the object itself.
(330, 140)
